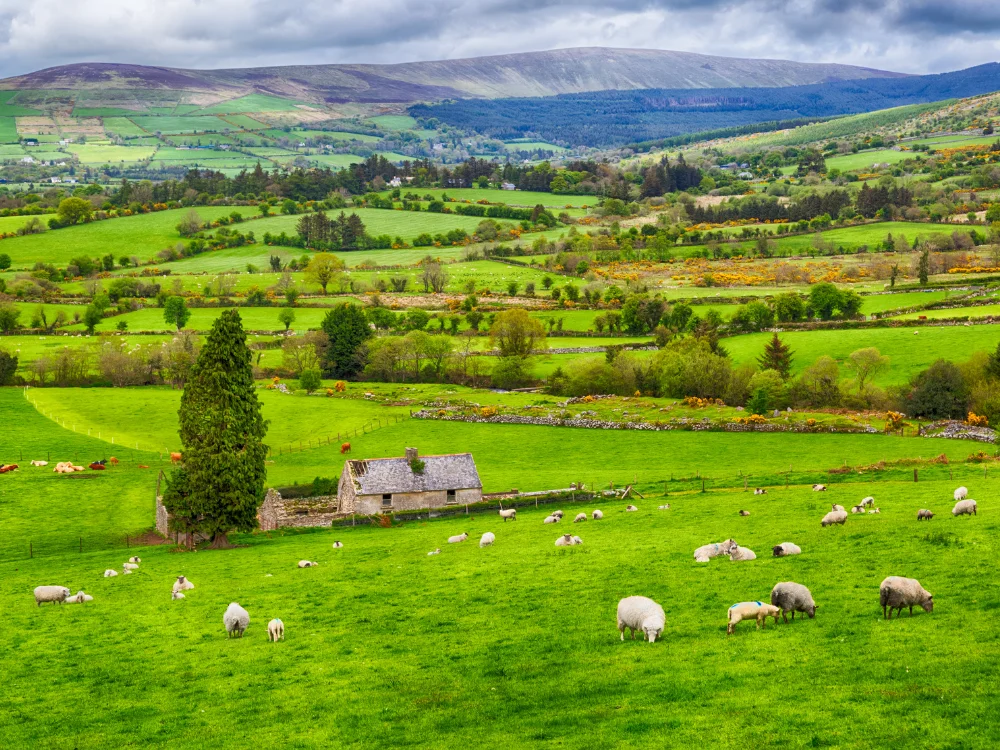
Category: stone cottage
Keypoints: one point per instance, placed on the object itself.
(411, 482)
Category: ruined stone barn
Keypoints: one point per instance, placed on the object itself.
(410, 482)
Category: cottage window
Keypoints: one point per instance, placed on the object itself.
(451, 497)
(387, 500)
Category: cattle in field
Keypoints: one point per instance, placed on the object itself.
(175, 458)
(345, 447)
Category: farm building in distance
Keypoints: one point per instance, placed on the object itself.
(410, 482)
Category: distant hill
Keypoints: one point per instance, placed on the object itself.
(532, 74)
(612, 118)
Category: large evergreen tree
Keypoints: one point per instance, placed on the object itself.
(347, 329)
(777, 356)
(221, 484)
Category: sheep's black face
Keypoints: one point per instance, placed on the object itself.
(811, 612)
(928, 605)
(778, 551)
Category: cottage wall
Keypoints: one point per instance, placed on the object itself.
(277, 512)
(162, 517)
(403, 501)
(346, 492)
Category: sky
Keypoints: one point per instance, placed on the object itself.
(919, 36)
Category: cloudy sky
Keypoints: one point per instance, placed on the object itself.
(918, 36)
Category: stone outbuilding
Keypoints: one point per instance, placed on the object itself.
(410, 482)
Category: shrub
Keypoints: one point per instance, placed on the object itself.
(310, 379)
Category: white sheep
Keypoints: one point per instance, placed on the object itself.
(785, 549)
(577, 540)
(643, 614)
(50, 594)
(182, 584)
(236, 619)
(742, 554)
(551, 519)
(874, 510)
(134, 560)
(839, 507)
(597, 515)
(760, 491)
(338, 544)
(857, 509)
(487, 539)
(834, 516)
(868, 501)
(708, 551)
(744, 513)
(307, 564)
(276, 630)
(109, 573)
(819, 488)
(793, 597)
(663, 507)
(460, 538)
(39, 463)
(509, 514)
(580, 517)
(964, 508)
(961, 493)
(557, 513)
(130, 566)
(896, 592)
(434, 552)
(924, 514)
(630, 509)
(176, 595)
(79, 598)
(751, 611)
(567, 540)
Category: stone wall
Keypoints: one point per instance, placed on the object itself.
(368, 505)
(162, 518)
(277, 512)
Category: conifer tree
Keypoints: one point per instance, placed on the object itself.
(221, 484)
(777, 356)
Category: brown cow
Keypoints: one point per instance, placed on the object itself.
(113, 461)
(345, 448)
(175, 458)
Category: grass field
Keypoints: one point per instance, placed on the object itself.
(865, 159)
(89, 153)
(394, 122)
(525, 198)
(250, 103)
(170, 124)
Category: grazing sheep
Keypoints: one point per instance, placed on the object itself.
(236, 619)
(839, 507)
(135, 560)
(896, 592)
(923, 514)
(961, 493)
(744, 513)
(785, 549)
(338, 544)
(130, 566)
(643, 614)
(182, 584)
(434, 552)
(708, 551)
(760, 491)
(597, 515)
(276, 630)
(79, 598)
(557, 513)
(580, 517)
(307, 564)
(50, 594)
(39, 463)
(663, 507)
(751, 611)
(568, 540)
(509, 514)
(176, 595)
(742, 554)
(460, 538)
(487, 539)
(819, 488)
(793, 597)
(857, 509)
(834, 516)
(630, 509)
(964, 508)
(551, 519)
(110, 573)
(867, 502)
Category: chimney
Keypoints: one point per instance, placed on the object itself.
(411, 454)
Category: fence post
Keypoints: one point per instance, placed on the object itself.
(31, 550)
(81, 544)
(702, 485)
(915, 475)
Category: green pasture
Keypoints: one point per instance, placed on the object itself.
(89, 153)
(254, 319)
(339, 135)
(250, 103)
(334, 161)
(533, 146)
(8, 130)
(851, 238)
(394, 122)
(972, 311)
(122, 126)
(172, 124)
(405, 224)
(880, 303)
(865, 159)
(523, 198)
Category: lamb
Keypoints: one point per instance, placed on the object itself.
(663, 507)
(961, 493)
(597, 515)
(580, 517)
(708, 551)
(857, 509)
(79, 598)
(896, 592)
(742, 554)
(176, 595)
(839, 507)
(39, 463)
(130, 566)
(182, 584)
(557, 513)
(577, 540)
(276, 630)
(509, 514)
(551, 519)
(868, 501)
(744, 513)
(834, 516)
(460, 538)
(307, 564)
(434, 552)
(487, 539)
(819, 488)
(760, 491)
(874, 510)
(109, 573)
(785, 549)
(567, 540)
(643, 614)
(338, 544)
(630, 509)
(135, 560)
(50, 594)
(964, 508)
(923, 514)
(751, 611)
(793, 597)
(236, 619)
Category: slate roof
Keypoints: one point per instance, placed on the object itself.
(379, 476)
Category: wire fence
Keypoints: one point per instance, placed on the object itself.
(61, 545)
(337, 438)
